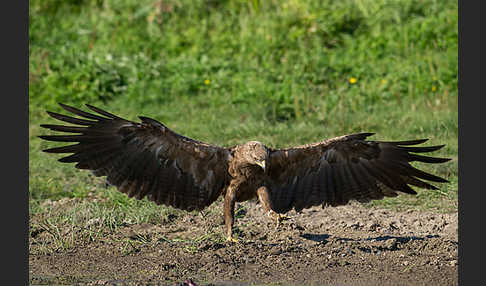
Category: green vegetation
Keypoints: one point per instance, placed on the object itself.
(282, 72)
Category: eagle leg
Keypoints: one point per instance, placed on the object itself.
(264, 198)
(229, 212)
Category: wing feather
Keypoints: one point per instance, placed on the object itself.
(70, 119)
(104, 113)
(362, 183)
(331, 189)
(314, 197)
(368, 191)
(426, 159)
(82, 113)
(352, 182)
(143, 159)
(346, 168)
(340, 190)
(323, 184)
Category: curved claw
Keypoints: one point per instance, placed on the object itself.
(283, 217)
(277, 217)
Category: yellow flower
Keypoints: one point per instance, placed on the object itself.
(207, 82)
(352, 80)
(434, 88)
(383, 81)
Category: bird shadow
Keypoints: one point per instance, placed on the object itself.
(324, 238)
(401, 239)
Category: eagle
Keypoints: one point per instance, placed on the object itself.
(147, 159)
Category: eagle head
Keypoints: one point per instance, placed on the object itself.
(255, 153)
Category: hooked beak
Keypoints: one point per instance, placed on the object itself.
(261, 164)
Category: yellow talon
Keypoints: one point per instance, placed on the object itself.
(231, 239)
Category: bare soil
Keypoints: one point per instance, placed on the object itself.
(348, 245)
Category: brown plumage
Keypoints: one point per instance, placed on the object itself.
(147, 159)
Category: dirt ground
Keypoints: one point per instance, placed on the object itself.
(348, 245)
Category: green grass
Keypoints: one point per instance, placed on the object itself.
(226, 72)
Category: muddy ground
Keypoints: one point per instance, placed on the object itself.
(348, 245)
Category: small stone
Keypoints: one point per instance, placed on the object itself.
(344, 263)
(391, 244)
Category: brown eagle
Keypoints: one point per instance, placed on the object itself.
(147, 159)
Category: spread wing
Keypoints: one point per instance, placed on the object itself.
(143, 159)
(344, 168)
